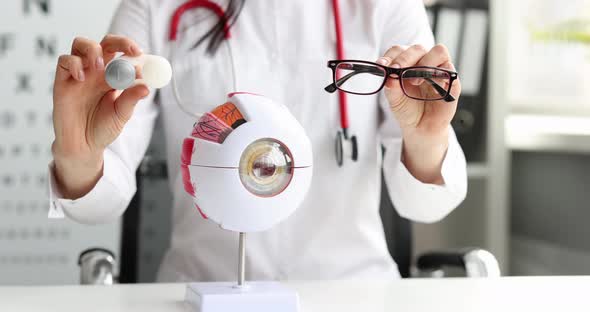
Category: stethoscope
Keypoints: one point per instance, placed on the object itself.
(345, 143)
(342, 135)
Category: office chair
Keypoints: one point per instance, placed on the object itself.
(472, 261)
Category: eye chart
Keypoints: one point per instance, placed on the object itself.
(33, 33)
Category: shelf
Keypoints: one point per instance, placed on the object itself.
(548, 133)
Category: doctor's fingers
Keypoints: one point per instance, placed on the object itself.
(437, 56)
(69, 66)
(398, 57)
(391, 54)
(409, 57)
(111, 44)
(90, 52)
(456, 87)
(125, 102)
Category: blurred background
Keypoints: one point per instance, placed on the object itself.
(523, 122)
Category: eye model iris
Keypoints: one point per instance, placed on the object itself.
(263, 168)
(266, 167)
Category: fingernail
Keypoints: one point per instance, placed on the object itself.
(146, 92)
(382, 61)
(135, 50)
(99, 63)
(81, 76)
(396, 65)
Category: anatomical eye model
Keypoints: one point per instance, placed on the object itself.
(248, 166)
(249, 155)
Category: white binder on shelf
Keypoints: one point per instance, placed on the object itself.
(448, 29)
(473, 49)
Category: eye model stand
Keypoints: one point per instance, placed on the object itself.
(248, 165)
(247, 297)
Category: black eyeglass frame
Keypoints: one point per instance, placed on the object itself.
(444, 93)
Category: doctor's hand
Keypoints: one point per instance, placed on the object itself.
(425, 124)
(87, 114)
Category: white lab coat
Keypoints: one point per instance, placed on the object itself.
(280, 49)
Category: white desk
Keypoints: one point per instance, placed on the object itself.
(504, 294)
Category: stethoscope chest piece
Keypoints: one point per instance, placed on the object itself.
(345, 147)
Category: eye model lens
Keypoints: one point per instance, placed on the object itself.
(266, 167)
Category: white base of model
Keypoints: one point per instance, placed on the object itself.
(252, 297)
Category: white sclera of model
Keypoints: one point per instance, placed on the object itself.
(120, 73)
(220, 175)
(241, 185)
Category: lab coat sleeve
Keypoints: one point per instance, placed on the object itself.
(407, 24)
(111, 195)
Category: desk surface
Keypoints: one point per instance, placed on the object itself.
(502, 294)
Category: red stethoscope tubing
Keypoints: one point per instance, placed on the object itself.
(193, 4)
(218, 10)
(343, 105)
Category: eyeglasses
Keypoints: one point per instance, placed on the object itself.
(417, 82)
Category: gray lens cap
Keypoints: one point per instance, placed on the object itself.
(120, 74)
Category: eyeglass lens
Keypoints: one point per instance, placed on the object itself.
(425, 83)
(359, 77)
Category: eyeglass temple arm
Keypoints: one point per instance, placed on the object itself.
(358, 69)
